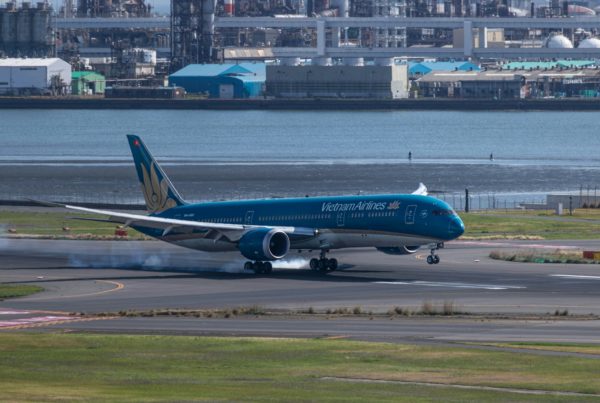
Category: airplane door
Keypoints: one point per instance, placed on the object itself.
(249, 217)
(410, 214)
(341, 217)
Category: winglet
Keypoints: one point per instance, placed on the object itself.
(159, 192)
(421, 190)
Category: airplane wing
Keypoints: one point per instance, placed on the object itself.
(233, 232)
(421, 190)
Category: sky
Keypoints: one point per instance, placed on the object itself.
(160, 6)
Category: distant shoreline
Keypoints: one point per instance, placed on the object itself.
(302, 104)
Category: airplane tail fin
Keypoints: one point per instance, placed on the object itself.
(159, 192)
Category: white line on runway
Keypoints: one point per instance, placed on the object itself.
(576, 276)
(516, 245)
(451, 285)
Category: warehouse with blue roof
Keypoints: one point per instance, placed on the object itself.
(422, 68)
(225, 81)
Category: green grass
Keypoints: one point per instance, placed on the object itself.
(13, 291)
(530, 224)
(55, 224)
(562, 347)
(542, 256)
(49, 367)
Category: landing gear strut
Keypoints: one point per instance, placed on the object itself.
(259, 267)
(323, 264)
(433, 258)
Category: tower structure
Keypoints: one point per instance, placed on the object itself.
(192, 30)
(389, 38)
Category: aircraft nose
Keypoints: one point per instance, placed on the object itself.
(456, 227)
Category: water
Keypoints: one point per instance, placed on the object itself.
(567, 139)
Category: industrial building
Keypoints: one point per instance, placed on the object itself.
(416, 69)
(34, 76)
(512, 84)
(226, 81)
(26, 31)
(87, 83)
(338, 81)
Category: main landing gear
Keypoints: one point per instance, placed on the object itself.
(323, 264)
(433, 258)
(259, 267)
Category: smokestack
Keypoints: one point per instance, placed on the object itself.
(532, 10)
(229, 8)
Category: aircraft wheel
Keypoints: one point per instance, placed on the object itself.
(267, 267)
(248, 266)
(323, 264)
(333, 264)
(436, 259)
(257, 267)
(430, 259)
(314, 264)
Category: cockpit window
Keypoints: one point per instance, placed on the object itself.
(444, 212)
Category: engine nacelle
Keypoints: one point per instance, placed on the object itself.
(264, 244)
(399, 250)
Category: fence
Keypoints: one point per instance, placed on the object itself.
(492, 201)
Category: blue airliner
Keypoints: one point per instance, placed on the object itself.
(267, 230)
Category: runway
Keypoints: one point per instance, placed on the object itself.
(97, 276)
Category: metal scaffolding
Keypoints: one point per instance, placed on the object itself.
(192, 30)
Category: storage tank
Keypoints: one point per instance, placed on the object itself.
(41, 25)
(558, 41)
(589, 43)
(9, 24)
(580, 11)
(24, 24)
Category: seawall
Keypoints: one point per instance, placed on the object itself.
(301, 104)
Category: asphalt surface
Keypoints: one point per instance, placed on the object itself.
(97, 276)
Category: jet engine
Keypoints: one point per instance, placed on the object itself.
(264, 244)
(399, 250)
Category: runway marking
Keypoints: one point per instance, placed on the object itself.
(22, 324)
(119, 286)
(34, 320)
(452, 285)
(576, 276)
(518, 245)
(14, 312)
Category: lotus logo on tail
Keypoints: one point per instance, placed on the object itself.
(156, 192)
(395, 205)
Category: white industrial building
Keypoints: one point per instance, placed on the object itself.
(339, 81)
(34, 76)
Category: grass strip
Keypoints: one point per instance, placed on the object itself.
(542, 256)
(58, 225)
(559, 347)
(20, 290)
(43, 367)
(484, 225)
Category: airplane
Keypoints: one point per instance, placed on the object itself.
(265, 231)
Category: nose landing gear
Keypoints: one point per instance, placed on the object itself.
(433, 258)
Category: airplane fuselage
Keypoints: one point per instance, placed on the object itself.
(383, 221)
